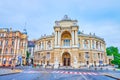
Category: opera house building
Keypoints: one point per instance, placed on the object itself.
(68, 46)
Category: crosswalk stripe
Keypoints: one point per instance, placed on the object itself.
(80, 73)
(77, 73)
(89, 73)
(94, 73)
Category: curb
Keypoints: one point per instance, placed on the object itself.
(112, 76)
(16, 71)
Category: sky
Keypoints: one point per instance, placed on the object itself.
(101, 17)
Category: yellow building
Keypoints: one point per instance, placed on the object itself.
(67, 46)
(13, 45)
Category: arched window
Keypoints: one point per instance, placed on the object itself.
(93, 47)
(39, 45)
(6, 42)
(96, 45)
(65, 38)
(99, 55)
(49, 45)
(12, 43)
(79, 45)
(42, 45)
(48, 55)
(85, 44)
(12, 51)
(4, 61)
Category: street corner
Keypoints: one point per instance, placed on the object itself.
(9, 72)
(112, 75)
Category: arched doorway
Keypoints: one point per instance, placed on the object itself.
(66, 59)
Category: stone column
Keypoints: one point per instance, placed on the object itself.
(58, 38)
(41, 46)
(55, 38)
(72, 38)
(76, 38)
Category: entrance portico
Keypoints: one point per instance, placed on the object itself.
(66, 59)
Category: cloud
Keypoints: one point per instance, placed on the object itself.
(99, 16)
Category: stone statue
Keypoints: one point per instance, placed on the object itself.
(75, 60)
(56, 65)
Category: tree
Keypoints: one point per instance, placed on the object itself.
(115, 52)
(112, 50)
(27, 55)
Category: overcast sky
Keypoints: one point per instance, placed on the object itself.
(101, 17)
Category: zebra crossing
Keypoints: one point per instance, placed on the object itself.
(63, 72)
(31, 72)
(76, 73)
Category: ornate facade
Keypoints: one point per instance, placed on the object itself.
(67, 46)
(13, 47)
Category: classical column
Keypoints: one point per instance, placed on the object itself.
(72, 38)
(91, 44)
(58, 38)
(41, 45)
(76, 38)
(94, 44)
(55, 38)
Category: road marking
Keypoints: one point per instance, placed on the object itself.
(83, 76)
(75, 73)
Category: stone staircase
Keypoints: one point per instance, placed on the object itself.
(65, 67)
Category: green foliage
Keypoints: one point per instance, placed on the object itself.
(27, 55)
(115, 52)
(112, 50)
(116, 62)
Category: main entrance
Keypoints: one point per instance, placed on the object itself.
(66, 59)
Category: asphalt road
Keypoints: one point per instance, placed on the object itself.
(42, 74)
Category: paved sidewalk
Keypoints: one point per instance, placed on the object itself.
(4, 71)
(113, 75)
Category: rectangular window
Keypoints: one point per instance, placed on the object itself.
(99, 55)
(86, 55)
(66, 42)
(48, 55)
(79, 45)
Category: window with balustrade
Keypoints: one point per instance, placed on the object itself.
(66, 42)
